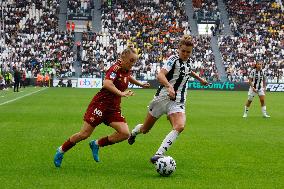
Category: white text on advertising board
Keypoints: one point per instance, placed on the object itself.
(275, 87)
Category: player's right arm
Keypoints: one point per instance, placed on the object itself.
(111, 75)
(250, 81)
(164, 81)
(108, 84)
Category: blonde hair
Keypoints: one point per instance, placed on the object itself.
(186, 40)
(127, 51)
(130, 45)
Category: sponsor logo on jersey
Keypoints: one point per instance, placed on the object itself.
(170, 63)
(112, 75)
(98, 112)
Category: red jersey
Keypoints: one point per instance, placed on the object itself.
(23, 76)
(120, 80)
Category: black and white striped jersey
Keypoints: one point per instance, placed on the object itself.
(178, 75)
(257, 78)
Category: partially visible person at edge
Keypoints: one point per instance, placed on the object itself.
(105, 108)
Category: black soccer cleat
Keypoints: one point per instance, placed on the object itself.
(155, 158)
(131, 139)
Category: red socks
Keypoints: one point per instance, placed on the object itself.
(104, 142)
(101, 142)
(67, 145)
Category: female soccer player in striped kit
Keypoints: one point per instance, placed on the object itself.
(170, 97)
(257, 87)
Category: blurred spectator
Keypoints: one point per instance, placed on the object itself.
(46, 80)
(23, 79)
(206, 10)
(17, 78)
(8, 78)
(68, 26)
(2, 83)
(80, 6)
(39, 80)
(73, 26)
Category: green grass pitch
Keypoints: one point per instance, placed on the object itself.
(218, 148)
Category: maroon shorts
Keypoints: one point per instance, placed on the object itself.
(99, 112)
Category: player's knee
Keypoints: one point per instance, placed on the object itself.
(179, 128)
(125, 134)
(262, 102)
(250, 98)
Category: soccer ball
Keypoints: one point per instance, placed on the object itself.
(165, 166)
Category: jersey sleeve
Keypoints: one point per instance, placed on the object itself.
(169, 63)
(111, 73)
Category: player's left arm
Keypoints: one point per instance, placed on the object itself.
(202, 81)
(135, 82)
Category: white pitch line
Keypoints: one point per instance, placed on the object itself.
(22, 97)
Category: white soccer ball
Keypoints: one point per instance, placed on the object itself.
(165, 166)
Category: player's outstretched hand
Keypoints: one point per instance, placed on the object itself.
(204, 82)
(127, 93)
(146, 85)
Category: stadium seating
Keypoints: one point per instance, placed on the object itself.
(32, 39)
(33, 42)
(80, 6)
(258, 28)
(131, 22)
(206, 9)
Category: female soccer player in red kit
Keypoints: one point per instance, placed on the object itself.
(105, 108)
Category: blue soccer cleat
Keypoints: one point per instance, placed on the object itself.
(58, 158)
(95, 150)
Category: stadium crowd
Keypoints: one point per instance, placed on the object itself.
(206, 9)
(32, 41)
(153, 28)
(80, 6)
(258, 28)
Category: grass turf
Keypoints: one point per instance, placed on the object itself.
(218, 148)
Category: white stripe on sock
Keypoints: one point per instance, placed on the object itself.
(167, 142)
